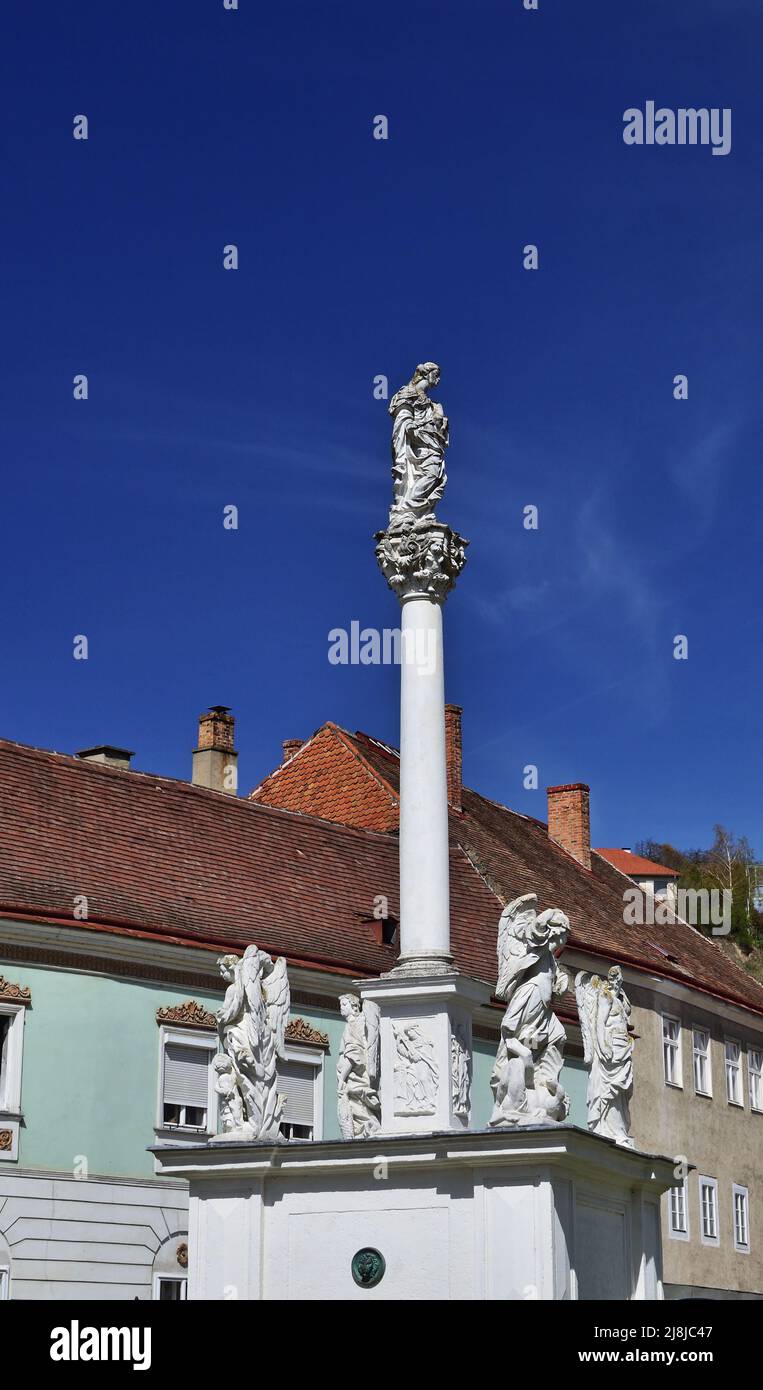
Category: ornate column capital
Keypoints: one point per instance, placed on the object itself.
(422, 559)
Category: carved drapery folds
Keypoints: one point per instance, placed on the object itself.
(417, 554)
(357, 1071)
(460, 1071)
(252, 1030)
(605, 1022)
(416, 1073)
(525, 1080)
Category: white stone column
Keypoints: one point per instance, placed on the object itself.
(421, 562)
(424, 868)
(425, 1006)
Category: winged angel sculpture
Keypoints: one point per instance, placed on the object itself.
(525, 1080)
(252, 1026)
(357, 1071)
(605, 1022)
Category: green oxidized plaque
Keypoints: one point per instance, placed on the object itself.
(368, 1267)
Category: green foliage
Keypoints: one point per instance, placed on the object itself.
(729, 863)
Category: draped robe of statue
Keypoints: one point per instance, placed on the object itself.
(525, 1080)
(605, 1013)
(357, 1071)
(419, 441)
(251, 1025)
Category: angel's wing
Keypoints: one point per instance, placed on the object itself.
(278, 999)
(516, 917)
(585, 993)
(371, 1018)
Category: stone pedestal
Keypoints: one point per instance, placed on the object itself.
(426, 1048)
(543, 1213)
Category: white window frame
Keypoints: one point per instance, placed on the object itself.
(171, 1279)
(757, 1073)
(314, 1057)
(678, 1054)
(5, 1282)
(672, 1232)
(712, 1184)
(695, 1053)
(10, 1081)
(734, 1042)
(187, 1037)
(739, 1191)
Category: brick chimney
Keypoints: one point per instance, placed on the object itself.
(453, 754)
(569, 821)
(290, 747)
(215, 759)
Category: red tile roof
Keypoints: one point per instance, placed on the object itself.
(165, 858)
(513, 854)
(631, 864)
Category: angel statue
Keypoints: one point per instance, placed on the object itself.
(252, 1025)
(357, 1070)
(605, 1022)
(525, 1080)
(419, 441)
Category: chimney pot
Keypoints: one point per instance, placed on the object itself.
(290, 747)
(453, 755)
(569, 822)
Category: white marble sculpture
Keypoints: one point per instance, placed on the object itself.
(605, 1012)
(419, 441)
(416, 1072)
(460, 1071)
(252, 1024)
(357, 1070)
(525, 1080)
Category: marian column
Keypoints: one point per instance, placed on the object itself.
(425, 1006)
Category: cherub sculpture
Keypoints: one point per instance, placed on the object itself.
(252, 1025)
(605, 1014)
(525, 1080)
(357, 1071)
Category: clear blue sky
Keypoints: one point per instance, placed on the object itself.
(360, 257)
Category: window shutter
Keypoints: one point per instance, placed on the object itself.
(296, 1080)
(186, 1075)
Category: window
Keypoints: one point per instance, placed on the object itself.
(708, 1206)
(11, 1048)
(741, 1220)
(754, 1070)
(170, 1288)
(186, 1086)
(300, 1079)
(733, 1072)
(679, 1215)
(671, 1050)
(701, 1050)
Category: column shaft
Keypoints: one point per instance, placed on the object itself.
(424, 867)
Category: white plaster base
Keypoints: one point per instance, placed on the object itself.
(440, 1006)
(546, 1213)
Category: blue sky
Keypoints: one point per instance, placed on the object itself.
(361, 257)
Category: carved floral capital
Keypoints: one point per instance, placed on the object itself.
(6, 1140)
(424, 559)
